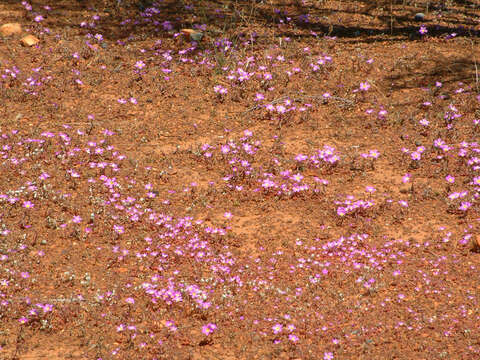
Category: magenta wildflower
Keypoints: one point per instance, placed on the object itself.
(277, 328)
(374, 154)
(171, 325)
(290, 327)
(259, 97)
(416, 155)
(219, 89)
(281, 109)
(424, 122)
(450, 179)
(297, 177)
(28, 204)
(464, 206)
(209, 328)
(293, 338)
(267, 183)
(139, 64)
(364, 86)
(328, 356)
(118, 229)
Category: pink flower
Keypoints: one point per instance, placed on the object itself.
(464, 206)
(209, 328)
(364, 86)
(293, 338)
(277, 328)
(139, 64)
(28, 204)
(267, 183)
(424, 122)
(290, 327)
(297, 177)
(281, 109)
(259, 97)
(118, 229)
(374, 154)
(416, 155)
(328, 356)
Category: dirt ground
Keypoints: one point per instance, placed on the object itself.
(301, 182)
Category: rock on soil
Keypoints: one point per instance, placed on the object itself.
(29, 40)
(419, 17)
(10, 29)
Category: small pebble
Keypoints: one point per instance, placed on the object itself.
(419, 17)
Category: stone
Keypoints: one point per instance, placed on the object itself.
(476, 244)
(419, 16)
(10, 29)
(192, 34)
(29, 40)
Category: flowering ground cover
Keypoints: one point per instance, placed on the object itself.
(302, 182)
